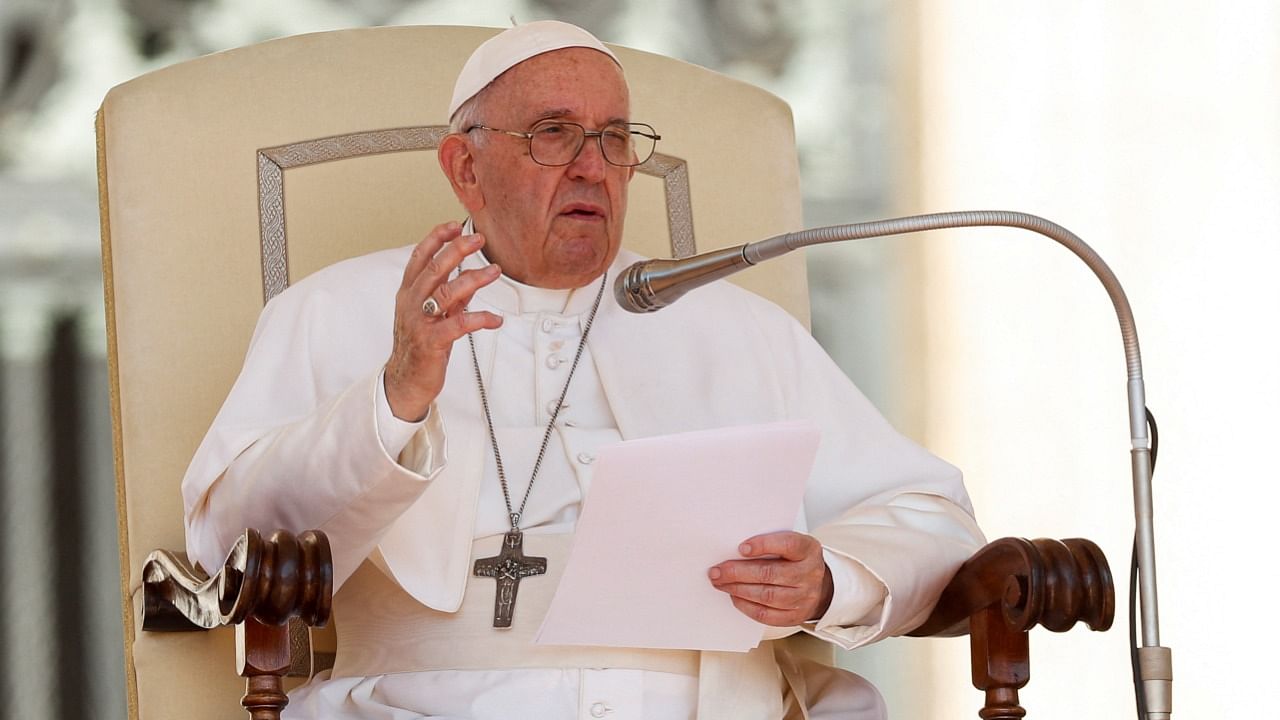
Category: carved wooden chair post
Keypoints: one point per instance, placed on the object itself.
(1005, 590)
(224, 179)
(267, 590)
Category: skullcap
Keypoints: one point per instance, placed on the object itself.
(513, 46)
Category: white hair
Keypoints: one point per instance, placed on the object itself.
(470, 114)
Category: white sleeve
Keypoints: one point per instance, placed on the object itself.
(857, 595)
(393, 432)
(329, 471)
(894, 559)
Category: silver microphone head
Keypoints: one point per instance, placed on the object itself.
(651, 285)
(633, 291)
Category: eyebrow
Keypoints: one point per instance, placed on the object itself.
(550, 113)
(557, 113)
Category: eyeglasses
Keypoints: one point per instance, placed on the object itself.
(555, 143)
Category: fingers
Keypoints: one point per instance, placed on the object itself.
(435, 271)
(426, 250)
(456, 294)
(767, 615)
(782, 581)
(788, 545)
(457, 326)
(781, 597)
(434, 260)
(772, 603)
(763, 572)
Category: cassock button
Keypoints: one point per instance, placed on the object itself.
(586, 459)
(553, 361)
(598, 710)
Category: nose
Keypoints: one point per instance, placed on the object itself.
(590, 164)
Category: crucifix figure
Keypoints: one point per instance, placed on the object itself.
(508, 567)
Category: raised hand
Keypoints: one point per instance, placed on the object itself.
(424, 332)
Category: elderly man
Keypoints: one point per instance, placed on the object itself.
(436, 411)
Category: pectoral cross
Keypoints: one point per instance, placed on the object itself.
(508, 567)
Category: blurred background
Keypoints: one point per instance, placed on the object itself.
(1151, 129)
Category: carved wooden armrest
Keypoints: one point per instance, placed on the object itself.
(261, 586)
(1009, 587)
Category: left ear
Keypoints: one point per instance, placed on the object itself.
(458, 164)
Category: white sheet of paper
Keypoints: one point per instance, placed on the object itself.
(660, 512)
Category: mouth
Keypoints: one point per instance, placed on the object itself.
(583, 211)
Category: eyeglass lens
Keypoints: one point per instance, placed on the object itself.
(558, 143)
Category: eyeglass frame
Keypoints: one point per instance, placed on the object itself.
(597, 134)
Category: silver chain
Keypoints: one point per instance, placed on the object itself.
(514, 515)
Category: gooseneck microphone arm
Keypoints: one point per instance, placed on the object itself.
(653, 284)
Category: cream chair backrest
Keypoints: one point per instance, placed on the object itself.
(224, 178)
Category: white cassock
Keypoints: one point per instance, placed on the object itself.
(306, 440)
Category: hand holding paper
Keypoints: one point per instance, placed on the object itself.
(783, 582)
(659, 514)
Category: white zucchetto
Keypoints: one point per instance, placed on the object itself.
(513, 46)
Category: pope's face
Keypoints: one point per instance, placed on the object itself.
(554, 227)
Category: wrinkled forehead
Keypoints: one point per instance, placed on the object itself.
(562, 83)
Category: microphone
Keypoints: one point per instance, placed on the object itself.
(651, 285)
(654, 284)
